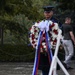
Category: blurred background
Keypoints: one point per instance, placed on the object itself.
(16, 18)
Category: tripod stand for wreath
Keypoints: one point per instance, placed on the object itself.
(56, 60)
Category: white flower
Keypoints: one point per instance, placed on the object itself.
(55, 26)
(43, 43)
(30, 39)
(53, 35)
(50, 22)
(44, 46)
(36, 24)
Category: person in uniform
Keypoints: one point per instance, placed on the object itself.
(67, 41)
(44, 64)
(48, 13)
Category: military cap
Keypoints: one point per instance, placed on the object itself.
(48, 8)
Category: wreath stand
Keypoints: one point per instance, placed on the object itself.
(56, 60)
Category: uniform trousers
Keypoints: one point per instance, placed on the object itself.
(44, 64)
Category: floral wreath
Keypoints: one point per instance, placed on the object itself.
(53, 34)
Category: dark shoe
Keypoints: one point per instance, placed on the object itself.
(69, 68)
(64, 65)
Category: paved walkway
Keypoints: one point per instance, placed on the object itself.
(22, 68)
(71, 72)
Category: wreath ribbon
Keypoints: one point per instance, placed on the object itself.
(37, 54)
(50, 55)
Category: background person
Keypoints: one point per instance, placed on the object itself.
(67, 41)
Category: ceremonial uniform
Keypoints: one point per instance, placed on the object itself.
(44, 63)
(56, 21)
(43, 56)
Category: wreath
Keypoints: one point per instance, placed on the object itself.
(53, 34)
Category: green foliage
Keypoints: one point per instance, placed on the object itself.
(16, 53)
(17, 29)
(13, 7)
(67, 4)
(67, 8)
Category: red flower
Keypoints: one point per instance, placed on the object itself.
(33, 42)
(52, 25)
(33, 36)
(55, 40)
(55, 31)
(35, 30)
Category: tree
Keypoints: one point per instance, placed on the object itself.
(9, 9)
(18, 28)
(67, 4)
